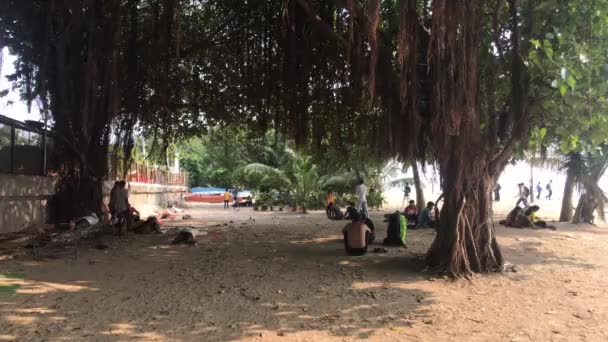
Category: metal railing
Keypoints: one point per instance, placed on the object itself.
(142, 173)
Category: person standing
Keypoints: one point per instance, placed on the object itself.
(497, 192)
(549, 190)
(331, 200)
(361, 191)
(539, 190)
(524, 193)
(226, 199)
(119, 200)
(406, 193)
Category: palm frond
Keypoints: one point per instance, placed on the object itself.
(269, 174)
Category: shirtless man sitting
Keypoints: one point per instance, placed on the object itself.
(356, 235)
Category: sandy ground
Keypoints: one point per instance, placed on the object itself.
(285, 277)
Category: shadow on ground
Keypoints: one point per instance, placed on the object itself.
(246, 282)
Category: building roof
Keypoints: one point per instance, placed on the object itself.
(30, 126)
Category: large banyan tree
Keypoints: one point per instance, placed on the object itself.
(445, 81)
(444, 78)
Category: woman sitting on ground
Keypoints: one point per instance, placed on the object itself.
(536, 222)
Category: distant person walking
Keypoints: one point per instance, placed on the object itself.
(497, 192)
(361, 191)
(406, 193)
(549, 190)
(539, 190)
(226, 199)
(524, 193)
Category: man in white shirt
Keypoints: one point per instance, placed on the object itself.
(361, 191)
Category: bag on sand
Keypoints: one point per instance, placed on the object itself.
(396, 232)
(402, 228)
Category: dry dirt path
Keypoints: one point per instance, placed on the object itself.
(285, 277)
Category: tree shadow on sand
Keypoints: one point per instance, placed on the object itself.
(219, 291)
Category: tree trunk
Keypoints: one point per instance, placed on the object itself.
(420, 202)
(466, 238)
(531, 184)
(577, 218)
(566, 212)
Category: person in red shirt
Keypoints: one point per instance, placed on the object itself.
(411, 212)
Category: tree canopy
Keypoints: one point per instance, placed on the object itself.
(461, 83)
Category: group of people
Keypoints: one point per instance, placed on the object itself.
(525, 218)
(227, 195)
(360, 232)
(420, 218)
(524, 193)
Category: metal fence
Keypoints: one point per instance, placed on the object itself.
(142, 173)
(22, 147)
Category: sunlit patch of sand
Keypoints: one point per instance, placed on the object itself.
(20, 320)
(349, 263)
(120, 329)
(285, 313)
(129, 330)
(385, 285)
(356, 308)
(34, 287)
(317, 240)
(46, 287)
(35, 310)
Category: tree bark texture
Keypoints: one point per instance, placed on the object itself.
(420, 201)
(465, 240)
(566, 211)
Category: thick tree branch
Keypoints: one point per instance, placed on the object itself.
(320, 26)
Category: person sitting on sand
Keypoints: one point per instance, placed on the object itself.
(411, 212)
(334, 212)
(426, 217)
(356, 237)
(331, 199)
(354, 215)
(351, 211)
(534, 220)
(510, 220)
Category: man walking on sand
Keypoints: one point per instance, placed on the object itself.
(549, 190)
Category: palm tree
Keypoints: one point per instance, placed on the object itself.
(588, 172)
(296, 174)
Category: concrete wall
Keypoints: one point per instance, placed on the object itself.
(148, 197)
(23, 201)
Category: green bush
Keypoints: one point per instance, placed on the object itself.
(375, 200)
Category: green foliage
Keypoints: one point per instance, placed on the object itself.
(567, 74)
(375, 199)
(297, 175)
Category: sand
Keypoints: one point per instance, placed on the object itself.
(284, 277)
